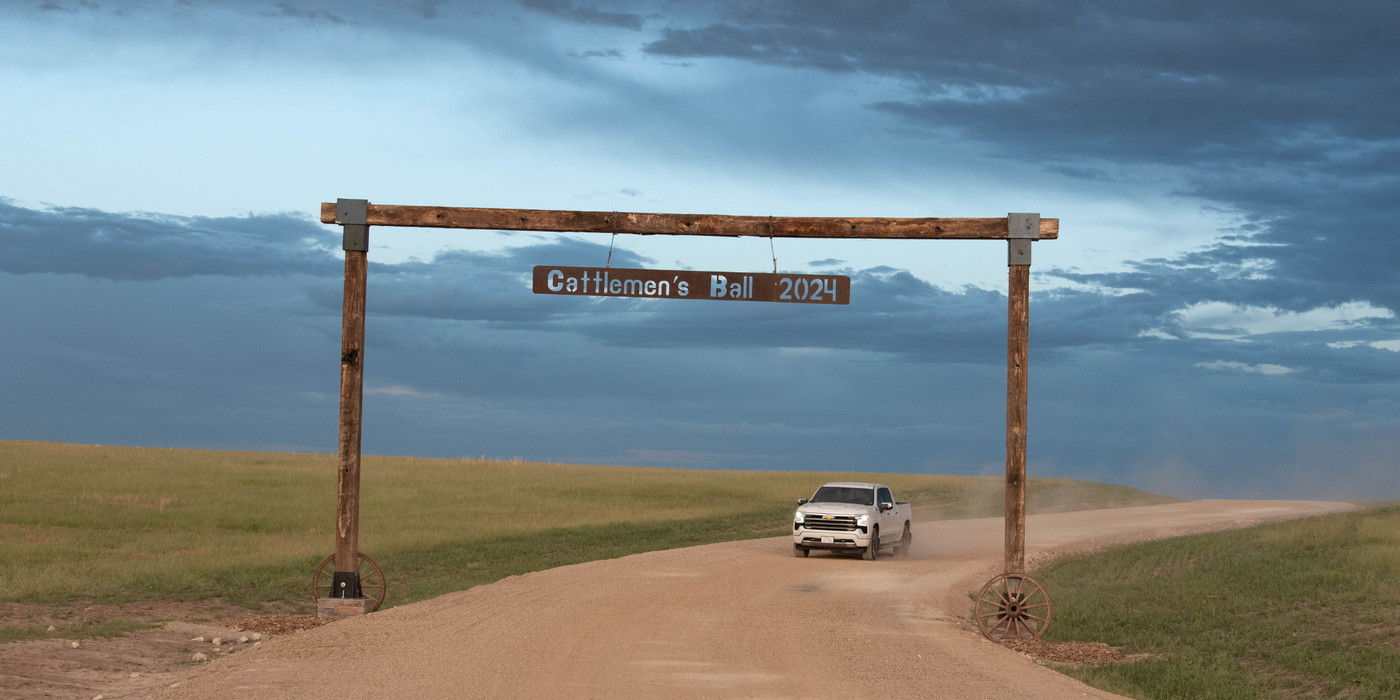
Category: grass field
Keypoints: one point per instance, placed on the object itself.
(120, 524)
(1307, 608)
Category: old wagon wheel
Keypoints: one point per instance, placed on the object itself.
(372, 584)
(1013, 606)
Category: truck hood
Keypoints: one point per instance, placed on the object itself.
(833, 509)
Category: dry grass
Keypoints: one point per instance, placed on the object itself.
(128, 523)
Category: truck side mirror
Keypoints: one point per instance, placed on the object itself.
(886, 506)
(801, 501)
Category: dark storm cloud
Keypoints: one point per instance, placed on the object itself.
(1328, 237)
(584, 14)
(313, 17)
(892, 313)
(447, 16)
(1159, 81)
(113, 246)
(1286, 112)
(1118, 55)
(473, 286)
(427, 9)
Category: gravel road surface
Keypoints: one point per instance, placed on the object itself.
(731, 620)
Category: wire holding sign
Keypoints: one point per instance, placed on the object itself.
(692, 284)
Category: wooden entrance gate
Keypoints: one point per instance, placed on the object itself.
(1004, 606)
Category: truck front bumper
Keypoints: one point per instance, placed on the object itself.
(828, 539)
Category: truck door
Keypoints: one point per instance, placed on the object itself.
(887, 517)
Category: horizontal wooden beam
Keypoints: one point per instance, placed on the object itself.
(687, 224)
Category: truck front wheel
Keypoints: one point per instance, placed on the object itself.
(873, 551)
(800, 551)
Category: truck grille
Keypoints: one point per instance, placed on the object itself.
(837, 523)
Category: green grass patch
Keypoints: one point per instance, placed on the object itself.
(121, 524)
(106, 629)
(1305, 608)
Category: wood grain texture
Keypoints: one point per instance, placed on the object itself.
(1018, 319)
(688, 224)
(352, 375)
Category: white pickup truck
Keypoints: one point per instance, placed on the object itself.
(851, 516)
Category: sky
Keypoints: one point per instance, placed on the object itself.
(1217, 318)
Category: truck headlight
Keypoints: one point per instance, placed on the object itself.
(798, 518)
(862, 520)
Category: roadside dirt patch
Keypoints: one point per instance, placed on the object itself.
(280, 624)
(1076, 653)
(129, 666)
(210, 611)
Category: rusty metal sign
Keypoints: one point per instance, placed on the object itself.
(692, 284)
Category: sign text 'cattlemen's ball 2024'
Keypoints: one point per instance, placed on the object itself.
(692, 284)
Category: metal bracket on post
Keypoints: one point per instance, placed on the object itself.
(353, 215)
(346, 584)
(1021, 229)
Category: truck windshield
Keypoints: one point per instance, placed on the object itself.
(844, 494)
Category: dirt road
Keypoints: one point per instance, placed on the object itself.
(732, 620)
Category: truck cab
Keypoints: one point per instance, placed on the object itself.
(852, 516)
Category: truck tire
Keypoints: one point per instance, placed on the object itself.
(873, 551)
(798, 551)
(902, 549)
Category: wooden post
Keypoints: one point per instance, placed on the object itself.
(346, 581)
(352, 344)
(1017, 348)
(1021, 230)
